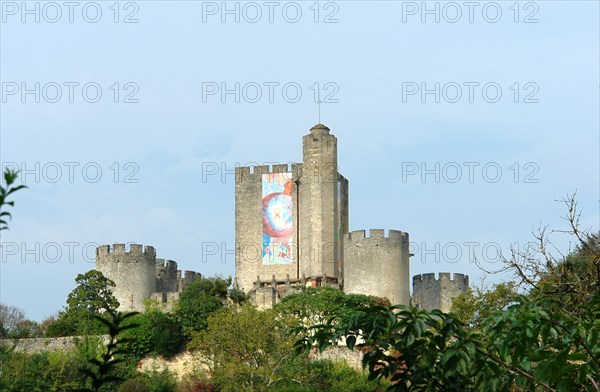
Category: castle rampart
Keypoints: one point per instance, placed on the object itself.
(431, 293)
(377, 264)
(139, 275)
(312, 246)
(133, 272)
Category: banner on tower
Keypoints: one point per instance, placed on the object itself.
(277, 218)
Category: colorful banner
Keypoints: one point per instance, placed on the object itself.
(277, 218)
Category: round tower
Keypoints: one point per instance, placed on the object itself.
(430, 293)
(133, 272)
(377, 265)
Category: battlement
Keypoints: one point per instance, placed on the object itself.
(446, 276)
(120, 249)
(253, 172)
(360, 235)
(162, 264)
(431, 292)
(185, 278)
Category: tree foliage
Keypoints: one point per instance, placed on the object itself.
(92, 297)
(103, 370)
(157, 333)
(546, 339)
(246, 349)
(199, 300)
(10, 177)
(477, 304)
(317, 305)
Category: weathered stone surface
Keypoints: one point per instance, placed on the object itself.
(323, 250)
(139, 275)
(378, 265)
(37, 345)
(431, 293)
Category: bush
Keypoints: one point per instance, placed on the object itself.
(325, 375)
(41, 372)
(198, 301)
(196, 384)
(150, 382)
(157, 333)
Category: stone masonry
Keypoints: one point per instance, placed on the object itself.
(315, 246)
(139, 275)
(431, 293)
(323, 251)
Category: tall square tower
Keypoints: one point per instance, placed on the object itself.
(291, 220)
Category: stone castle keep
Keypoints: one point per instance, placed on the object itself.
(291, 230)
(139, 275)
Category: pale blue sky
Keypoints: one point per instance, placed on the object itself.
(369, 57)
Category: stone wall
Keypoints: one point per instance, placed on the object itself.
(318, 224)
(249, 226)
(133, 272)
(139, 275)
(431, 293)
(378, 265)
(37, 345)
(340, 353)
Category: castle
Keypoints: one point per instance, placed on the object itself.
(291, 230)
(139, 275)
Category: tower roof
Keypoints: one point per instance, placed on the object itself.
(319, 129)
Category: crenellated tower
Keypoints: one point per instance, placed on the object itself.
(133, 272)
(292, 230)
(139, 275)
(431, 293)
(378, 265)
(290, 220)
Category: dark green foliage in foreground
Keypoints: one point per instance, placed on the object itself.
(9, 177)
(104, 370)
(545, 339)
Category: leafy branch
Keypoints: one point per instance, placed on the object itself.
(101, 371)
(9, 177)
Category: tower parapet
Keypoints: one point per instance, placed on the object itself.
(139, 275)
(252, 173)
(187, 278)
(376, 264)
(166, 276)
(133, 271)
(431, 293)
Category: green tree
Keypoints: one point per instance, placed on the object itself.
(103, 371)
(532, 342)
(247, 349)
(199, 300)
(92, 297)
(156, 333)
(10, 317)
(476, 305)
(317, 305)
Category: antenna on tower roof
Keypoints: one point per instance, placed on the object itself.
(319, 104)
